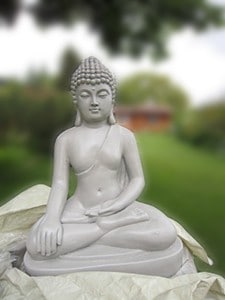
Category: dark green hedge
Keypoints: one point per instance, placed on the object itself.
(34, 115)
(205, 127)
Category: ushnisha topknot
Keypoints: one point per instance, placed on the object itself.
(92, 71)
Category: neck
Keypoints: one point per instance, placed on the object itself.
(95, 124)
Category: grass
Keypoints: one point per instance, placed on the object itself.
(189, 185)
(184, 182)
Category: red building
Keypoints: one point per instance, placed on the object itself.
(148, 116)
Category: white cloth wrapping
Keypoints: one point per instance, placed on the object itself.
(16, 218)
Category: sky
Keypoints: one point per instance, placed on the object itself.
(196, 62)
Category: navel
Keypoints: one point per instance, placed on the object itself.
(99, 191)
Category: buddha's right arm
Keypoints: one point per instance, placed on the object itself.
(59, 190)
(50, 232)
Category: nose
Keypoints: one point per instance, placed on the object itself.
(94, 101)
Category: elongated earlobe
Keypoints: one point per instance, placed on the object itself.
(111, 118)
(78, 120)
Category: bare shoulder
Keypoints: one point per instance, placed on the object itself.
(126, 133)
(127, 137)
(66, 136)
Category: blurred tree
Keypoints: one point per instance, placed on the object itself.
(40, 79)
(130, 26)
(205, 126)
(151, 87)
(69, 61)
(33, 115)
(8, 10)
(50, 112)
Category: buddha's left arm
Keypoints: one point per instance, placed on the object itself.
(134, 170)
(135, 174)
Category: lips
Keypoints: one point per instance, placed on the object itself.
(94, 110)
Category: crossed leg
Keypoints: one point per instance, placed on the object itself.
(138, 226)
(155, 234)
(76, 236)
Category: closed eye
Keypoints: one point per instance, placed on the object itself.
(84, 95)
(103, 94)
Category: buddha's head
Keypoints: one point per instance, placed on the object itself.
(93, 88)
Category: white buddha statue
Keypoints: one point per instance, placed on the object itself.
(102, 226)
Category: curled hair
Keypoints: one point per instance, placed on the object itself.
(92, 71)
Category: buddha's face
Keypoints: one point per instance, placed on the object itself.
(94, 102)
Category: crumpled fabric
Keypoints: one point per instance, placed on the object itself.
(110, 286)
(19, 214)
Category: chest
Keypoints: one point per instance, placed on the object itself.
(91, 147)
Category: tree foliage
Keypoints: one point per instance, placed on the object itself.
(9, 10)
(205, 126)
(151, 87)
(69, 62)
(131, 26)
(33, 114)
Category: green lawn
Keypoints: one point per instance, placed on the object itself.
(186, 183)
(189, 185)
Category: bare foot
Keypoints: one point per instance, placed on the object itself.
(122, 218)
